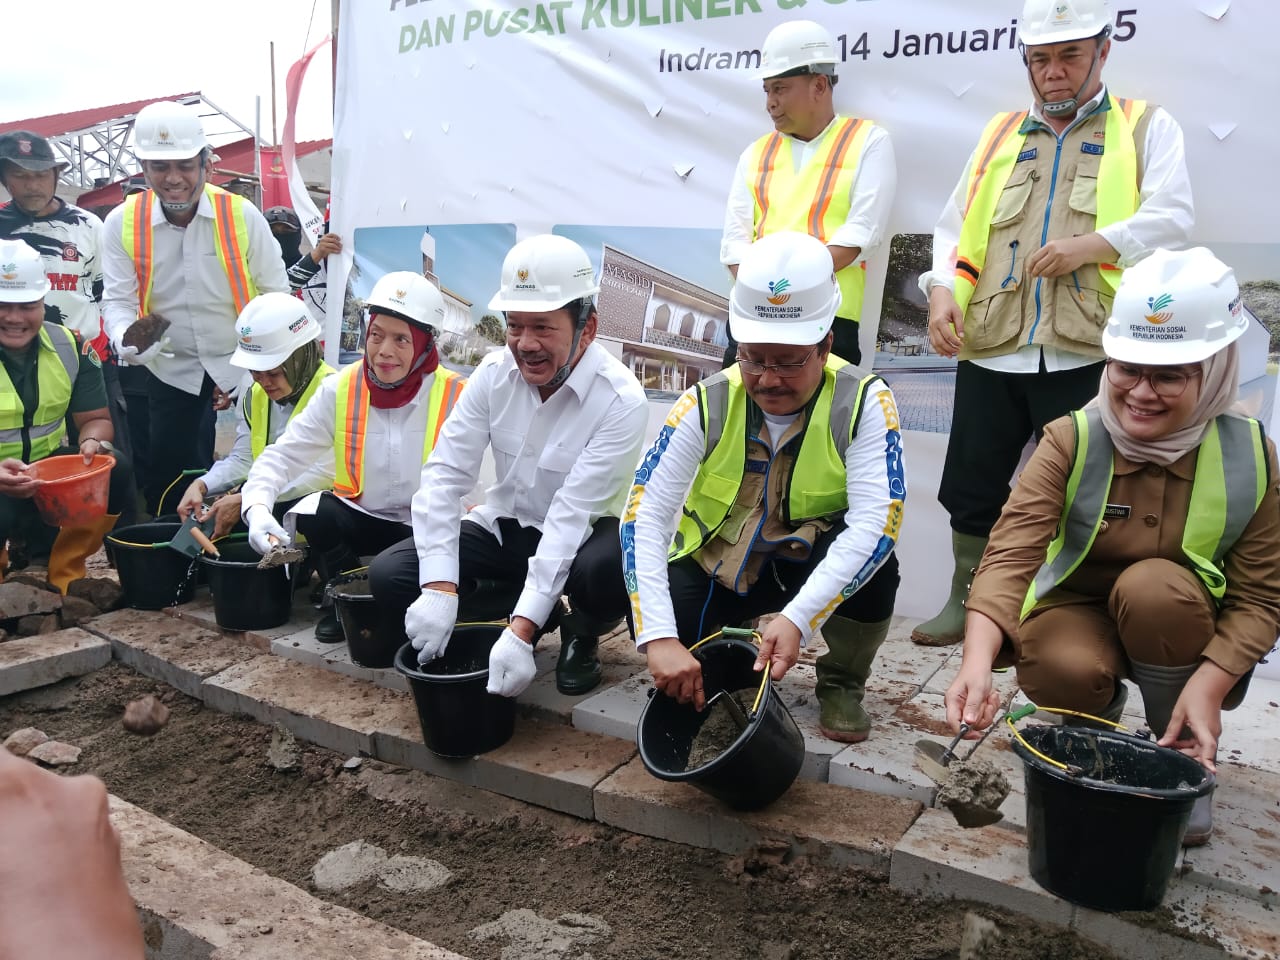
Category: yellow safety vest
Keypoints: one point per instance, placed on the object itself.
(57, 363)
(822, 491)
(353, 416)
(993, 162)
(230, 239)
(814, 200)
(1232, 473)
(258, 413)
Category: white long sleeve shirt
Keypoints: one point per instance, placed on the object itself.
(870, 198)
(876, 485)
(1164, 218)
(561, 464)
(392, 453)
(189, 288)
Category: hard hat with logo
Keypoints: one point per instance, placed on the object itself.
(409, 296)
(544, 273)
(270, 328)
(168, 131)
(22, 274)
(1060, 21)
(786, 291)
(797, 47)
(29, 151)
(1176, 306)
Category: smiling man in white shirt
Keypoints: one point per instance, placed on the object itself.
(190, 255)
(565, 421)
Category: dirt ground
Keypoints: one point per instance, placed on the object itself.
(206, 772)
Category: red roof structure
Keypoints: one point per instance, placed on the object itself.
(61, 124)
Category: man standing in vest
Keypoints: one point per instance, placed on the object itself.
(830, 176)
(775, 485)
(46, 378)
(1054, 202)
(565, 422)
(180, 261)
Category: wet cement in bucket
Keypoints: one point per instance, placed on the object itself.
(720, 729)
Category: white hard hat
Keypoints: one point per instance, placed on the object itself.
(409, 296)
(544, 273)
(1176, 306)
(1060, 21)
(796, 44)
(786, 291)
(270, 328)
(22, 274)
(168, 131)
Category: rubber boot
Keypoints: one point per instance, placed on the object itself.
(947, 626)
(330, 564)
(842, 677)
(1111, 711)
(578, 669)
(73, 546)
(1161, 687)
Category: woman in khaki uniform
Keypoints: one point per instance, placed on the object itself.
(1143, 538)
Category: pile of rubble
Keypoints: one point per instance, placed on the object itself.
(29, 605)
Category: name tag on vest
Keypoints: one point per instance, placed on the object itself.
(1094, 148)
(757, 466)
(1116, 511)
(1027, 155)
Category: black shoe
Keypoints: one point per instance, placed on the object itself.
(578, 669)
(328, 629)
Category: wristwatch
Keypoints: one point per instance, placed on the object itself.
(105, 446)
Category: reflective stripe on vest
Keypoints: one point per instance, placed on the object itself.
(57, 364)
(997, 155)
(814, 200)
(353, 417)
(1230, 480)
(832, 424)
(259, 412)
(230, 241)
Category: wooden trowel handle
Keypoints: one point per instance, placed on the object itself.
(206, 544)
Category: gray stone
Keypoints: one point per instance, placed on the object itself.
(55, 753)
(36, 624)
(284, 754)
(352, 763)
(75, 611)
(22, 742)
(21, 599)
(104, 594)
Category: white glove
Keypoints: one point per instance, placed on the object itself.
(262, 527)
(131, 356)
(511, 667)
(428, 623)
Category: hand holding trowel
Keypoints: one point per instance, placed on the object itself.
(192, 537)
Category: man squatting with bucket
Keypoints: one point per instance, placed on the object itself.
(776, 484)
(566, 422)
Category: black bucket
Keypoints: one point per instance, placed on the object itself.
(1109, 837)
(244, 597)
(372, 639)
(459, 717)
(152, 574)
(757, 767)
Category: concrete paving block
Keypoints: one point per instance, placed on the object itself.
(398, 740)
(1243, 855)
(303, 647)
(28, 662)
(197, 902)
(905, 662)
(837, 825)
(884, 764)
(938, 858)
(315, 705)
(1249, 731)
(200, 610)
(615, 711)
(543, 701)
(552, 765)
(168, 649)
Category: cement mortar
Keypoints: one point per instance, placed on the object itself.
(973, 782)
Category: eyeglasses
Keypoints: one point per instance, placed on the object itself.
(784, 370)
(1166, 383)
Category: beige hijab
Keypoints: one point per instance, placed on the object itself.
(1219, 384)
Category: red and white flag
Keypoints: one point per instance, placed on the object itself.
(312, 221)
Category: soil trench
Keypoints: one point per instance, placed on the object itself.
(206, 772)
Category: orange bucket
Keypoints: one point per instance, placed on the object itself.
(72, 493)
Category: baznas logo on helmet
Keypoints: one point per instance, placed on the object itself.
(1157, 305)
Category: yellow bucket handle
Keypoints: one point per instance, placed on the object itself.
(1023, 712)
(751, 636)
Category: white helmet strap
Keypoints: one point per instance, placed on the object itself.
(579, 324)
(1057, 109)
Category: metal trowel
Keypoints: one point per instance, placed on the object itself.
(192, 538)
(933, 759)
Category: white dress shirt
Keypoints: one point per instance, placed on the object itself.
(392, 453)
(561, 464)
(189, 288)
(870, 197)
(1164, 218)
(875, 481)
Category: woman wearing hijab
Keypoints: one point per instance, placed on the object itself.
(279, 345)
(1143, 538)
(375, 422)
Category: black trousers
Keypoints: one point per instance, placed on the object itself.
(702, 605)
(844, 343)
(179, 435)
(594, 584)
(995, 414)
(338, 535)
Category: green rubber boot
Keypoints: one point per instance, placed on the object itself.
(842, 677)
(578, 668)
(948, 626)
